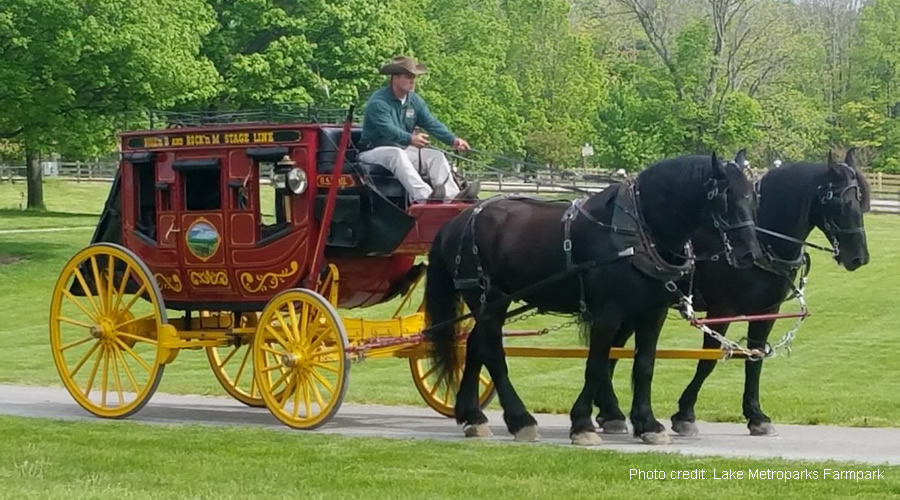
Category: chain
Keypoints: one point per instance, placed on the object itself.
(545, 330)
(686, 308)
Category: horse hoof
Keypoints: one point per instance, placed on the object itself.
(656, 438)
(478, 431)
(589, 438)
(527, 434)
(685, 428)
(614, 427)
(763, 429)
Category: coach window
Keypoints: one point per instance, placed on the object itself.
(202, 181)
(274, 198)
(144, 174)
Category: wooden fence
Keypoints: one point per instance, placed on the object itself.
(885, 187)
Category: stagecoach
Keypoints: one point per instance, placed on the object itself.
(242, 234)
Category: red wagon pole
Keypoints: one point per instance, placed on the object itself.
(319, 254)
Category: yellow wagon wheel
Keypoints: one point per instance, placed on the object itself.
(441, 396)
(300, 360)
(233, 367)
(106, 316)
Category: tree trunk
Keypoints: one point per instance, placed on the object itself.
(35, 179)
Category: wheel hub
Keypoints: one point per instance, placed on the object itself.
(289, 360)
(106, 330)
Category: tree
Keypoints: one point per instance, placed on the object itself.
(871, 117)
(70, 67)
(322, 52)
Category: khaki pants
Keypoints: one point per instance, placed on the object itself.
(404, 164)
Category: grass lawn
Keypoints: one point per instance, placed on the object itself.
(843, 369)
(69, 460)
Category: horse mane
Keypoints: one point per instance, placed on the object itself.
(865, 190)
(793, 184)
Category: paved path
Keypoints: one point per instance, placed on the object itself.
(874, 446)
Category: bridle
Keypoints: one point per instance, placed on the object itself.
(831, 194)
(717, 194)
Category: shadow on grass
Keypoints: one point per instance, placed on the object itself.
(38, 214)
(34, 251)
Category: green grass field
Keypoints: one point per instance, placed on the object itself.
(842, 371)
(67, 460)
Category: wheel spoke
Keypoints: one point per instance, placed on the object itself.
(430, 371)
(137, 358)
(306, 399)
(304, 323)
(118, 379)
(291, 386)
(105, 378)
(284, 326)
(91, 315)
(110, 279)
(325, 383)
(326, 352)
(120, 292)
(316, 393)
(84, 360)
(272, 351)
(324, 366)
(71, 321)
(280, 380)
(90, 384)
(76, 343)
(134, 298)
(87, 293)
(223, 362)
(240, 371)
(128, 373)
(296, 411)
(138, 338)
(135, 320)
(277, 337)
(434, 388)
(292, 313)
(101, 293)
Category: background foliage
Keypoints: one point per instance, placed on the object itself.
(638, 79)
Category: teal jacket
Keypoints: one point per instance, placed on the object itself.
(387, 122)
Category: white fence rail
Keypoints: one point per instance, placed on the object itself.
(885, 187)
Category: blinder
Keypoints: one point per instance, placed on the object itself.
(831, 195)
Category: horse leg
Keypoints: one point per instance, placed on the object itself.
(683, 421)
(611, 420)
(645, 425)
(757, 421)
(597, 385)
(519, 422)
(468, 413)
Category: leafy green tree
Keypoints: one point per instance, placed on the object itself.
(70, 67)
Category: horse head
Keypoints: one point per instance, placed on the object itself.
(731, 205)
(843, 197)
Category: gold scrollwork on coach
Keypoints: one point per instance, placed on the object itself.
(255, 283)
(168, 283)
(209, 278)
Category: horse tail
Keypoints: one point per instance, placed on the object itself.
(441, 306)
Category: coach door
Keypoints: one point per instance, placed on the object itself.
(202, 242)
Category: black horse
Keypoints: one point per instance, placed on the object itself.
(615, 258)
(793, 200)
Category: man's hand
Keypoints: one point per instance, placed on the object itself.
(419, 140)
(460, 144)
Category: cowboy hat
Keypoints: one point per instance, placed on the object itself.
(403, 65)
